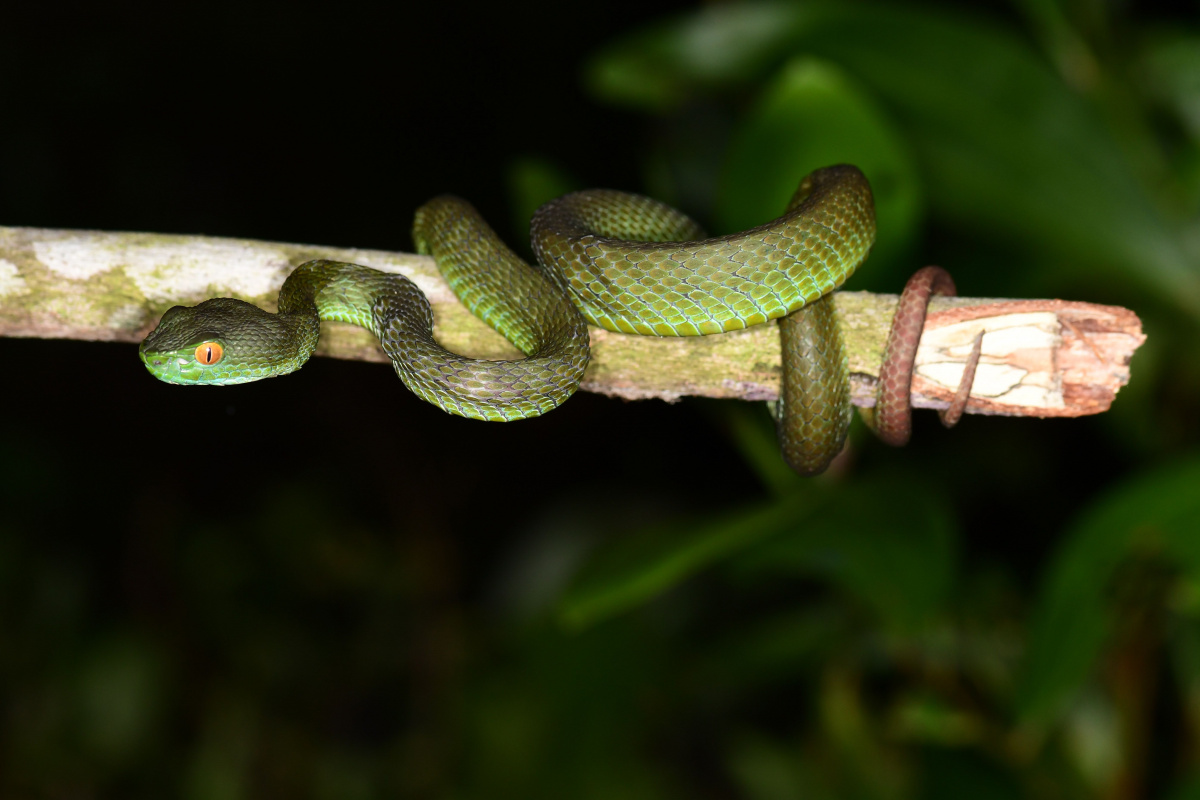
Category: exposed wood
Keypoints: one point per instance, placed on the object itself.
(1045, 358)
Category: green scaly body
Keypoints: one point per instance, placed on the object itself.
(617, 260)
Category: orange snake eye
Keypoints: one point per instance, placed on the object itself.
(209, 353)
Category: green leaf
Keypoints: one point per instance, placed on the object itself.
(643, 565)
(924, 716)
(120, 696)
(813, 115)
(1070, 622)
(1186, 788)
(1057, 24)
(532, 181)
(765, 769)
(662, 66)
(751, 427)
(1170, 70)
(888, 542)
(778, 648)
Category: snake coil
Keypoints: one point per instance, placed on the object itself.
(621, 261)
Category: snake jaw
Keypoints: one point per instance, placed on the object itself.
(182, 368)
(179, 366)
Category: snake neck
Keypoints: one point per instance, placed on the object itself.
(341, 292)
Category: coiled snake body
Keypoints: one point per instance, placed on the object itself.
(618, 260)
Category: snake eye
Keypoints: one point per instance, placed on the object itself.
(209, 353)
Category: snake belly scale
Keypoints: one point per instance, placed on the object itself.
(621, 261)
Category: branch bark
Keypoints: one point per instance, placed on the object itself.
(1044, 358)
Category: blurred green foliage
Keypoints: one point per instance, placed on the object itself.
(842, 637)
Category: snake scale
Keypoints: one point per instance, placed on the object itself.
(621, 261)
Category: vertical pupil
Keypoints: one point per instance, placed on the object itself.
(208, 353)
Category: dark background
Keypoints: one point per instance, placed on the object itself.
(321, 586)
(301, 124)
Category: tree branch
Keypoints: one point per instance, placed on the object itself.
(1045, 358)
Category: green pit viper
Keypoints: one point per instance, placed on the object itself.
(621, 261)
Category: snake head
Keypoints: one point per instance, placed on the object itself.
(221, 342)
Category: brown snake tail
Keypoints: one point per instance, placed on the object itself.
(893, 411)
